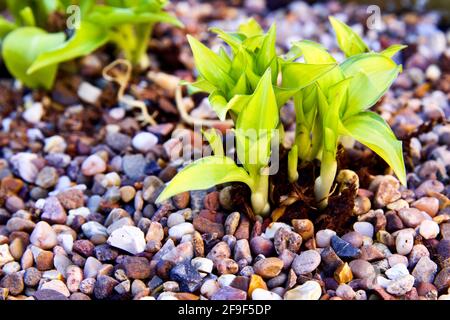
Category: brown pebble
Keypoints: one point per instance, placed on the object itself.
(268, 267)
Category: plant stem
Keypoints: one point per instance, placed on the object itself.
(292, 164)
(324, 183)
(143, 33)
(260, 194)
(303, 142)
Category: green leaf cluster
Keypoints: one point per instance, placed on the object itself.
(243, 82)
(231, 76)
(250, 83)
(125, 23)
(337, 105)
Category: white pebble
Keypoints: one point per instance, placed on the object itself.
(111, 179)
(310, 290)
(93, 165)
(396, 272)
(203, 265)
(261, 294)
(117, 113)
(93, 228)
(429, 229)
(89, 93)
(273, 228)
(5, 255)
(144, 141)
(55, 144)
(225, 280)
(174, 219)
(404, 242)
(433, 72)
(179, 230)
(128, 238)
(34, 113)
(323, 237)
(364, 228)
(83, 211)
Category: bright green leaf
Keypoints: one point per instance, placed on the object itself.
(210, 65)
(371, 130)
(349, 41)
(87, 39)
(392, 50)
(372, 74)
(204, 174)
(261, 112)
(215, 141)
(22, 46)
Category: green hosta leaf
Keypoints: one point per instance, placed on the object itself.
(27, 16)
(204, 174)
(232, 39)
(203, 85)
(373, 74)
(215, 141)
(219, 104)
(251, 28)
(284, 94)
(22, 46)
(392, 50)
(88, 38)
(253, 149)
(300, 75)
(238, 102)
(315, 53)
(261, 112)
(372, 131)
(5, 27)
(267, 52)
(241, 86)
(108, 17)
(349, 41)
(210, 66)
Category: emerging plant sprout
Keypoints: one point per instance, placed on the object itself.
(258, 116)
(336, 105)
(125, 23)
(24, 39)
(243, 85)
(230, 80)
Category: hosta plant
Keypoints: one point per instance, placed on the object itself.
(23, 39)
(337, 106)
(231, 78)
(244, 84)
(255, 127)
(125, 23)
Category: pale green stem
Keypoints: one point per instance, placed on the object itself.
(143, 33)
(260, 195)
(303, 142)
(292, 164)
(323, 184)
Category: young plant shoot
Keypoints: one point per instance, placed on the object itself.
(127, 24)
(336, 106)
(231, 79)
(255, 126)
(24, 39)
(244, 85)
